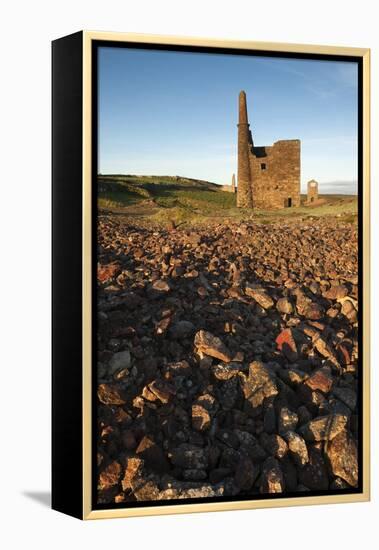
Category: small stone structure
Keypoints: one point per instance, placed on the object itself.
(230, 188)
(269, 176)
(312, 191)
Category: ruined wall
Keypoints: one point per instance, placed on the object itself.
(312, 191)
(268, 177)
(275, 175)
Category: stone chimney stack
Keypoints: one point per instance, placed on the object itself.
(234, 183)
(244, 194)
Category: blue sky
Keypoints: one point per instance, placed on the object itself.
(170, 113)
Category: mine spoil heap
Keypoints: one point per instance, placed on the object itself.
(227, 360)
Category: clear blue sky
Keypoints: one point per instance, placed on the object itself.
(170, 113)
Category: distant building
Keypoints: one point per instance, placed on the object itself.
(230, 188)
(269, 176)
(312, 191)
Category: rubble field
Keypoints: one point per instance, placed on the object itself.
(227, 359)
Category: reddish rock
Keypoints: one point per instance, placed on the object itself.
(320, 379)
(107, 272)
(287, 345)
(109, 477)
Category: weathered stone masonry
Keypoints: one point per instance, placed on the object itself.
(312, 191)
(269, 176)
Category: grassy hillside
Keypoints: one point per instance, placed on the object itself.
(163, 198)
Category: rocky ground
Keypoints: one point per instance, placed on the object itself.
(227, 359)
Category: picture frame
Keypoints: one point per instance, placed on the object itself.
(76, 141)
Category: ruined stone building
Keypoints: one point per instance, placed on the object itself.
(268, 176)
(312, 191)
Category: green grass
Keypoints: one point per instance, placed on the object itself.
(186, 200)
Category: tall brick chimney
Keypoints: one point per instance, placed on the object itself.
(244, 195)
(234, 183)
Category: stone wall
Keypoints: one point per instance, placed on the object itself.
(275, 175)
(312, 191)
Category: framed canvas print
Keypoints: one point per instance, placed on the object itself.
(210, 275)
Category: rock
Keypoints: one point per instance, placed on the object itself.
(162, 326)
(129, 440)
(160, 286)
(347, 396)
(314, 311)
(208, 344)
(133, 471)
(119, 360)
(152, 455)
(272, 480)
(349, 311)
(336, 292)
(289, 471)
(228, 393)
(182, 329)
(343, 457)
(246, 474)
(259, 295)
(147, 490)
(259, 385)
(324, 427)
(269, 419)
(190, 490)
(158, 390)
(314, 474)
(250, 446)
(287, 420)
(202, 412)
(194, 475)
(324, 349)
(189, 457)
(218, 474)
(296, 318)
(274, 445)
(109, 394)
(179, 368)
(283, 305)
(287, 345)
(107, 272)
(298, 448)
(110, 476)
(227, 371)
(229, 438)
(320, 379)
